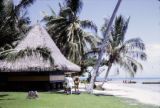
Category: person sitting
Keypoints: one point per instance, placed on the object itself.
(36, 95)
(32, 95)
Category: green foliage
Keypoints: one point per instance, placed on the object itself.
(121, 52)
(13, 21)
(25, 3)
(66, 29)
(1, 6)
(75, 5)
(91, 61)
(12, 55)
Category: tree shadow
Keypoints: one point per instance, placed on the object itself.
(101, 94)
(56, 92)
(63, 93)
(6, 99)
(3, 95)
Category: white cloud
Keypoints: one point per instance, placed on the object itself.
(152, 65)
(153, 50)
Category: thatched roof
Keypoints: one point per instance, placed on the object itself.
(38, 37)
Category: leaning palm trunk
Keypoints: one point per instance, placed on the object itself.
(106, 75)
(90, 89)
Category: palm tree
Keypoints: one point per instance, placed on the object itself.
(67, 31)
(13, 21)
(1, 6)
(96, 68)
(121, 52)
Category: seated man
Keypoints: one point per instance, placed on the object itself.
(32, 95)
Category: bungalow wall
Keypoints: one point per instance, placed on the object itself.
(26, 81)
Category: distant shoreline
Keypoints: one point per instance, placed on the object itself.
(150, 82)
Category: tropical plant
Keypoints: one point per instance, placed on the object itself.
(121, 52)
(13, 55)
(66, 29)
(13, 21)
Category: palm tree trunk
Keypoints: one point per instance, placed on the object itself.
(90, 90)
(105, 78)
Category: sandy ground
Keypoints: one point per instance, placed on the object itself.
(123, 90)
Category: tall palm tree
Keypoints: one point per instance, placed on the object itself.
(67, 31)
(13, 21)
(123, 52)
(96, 68)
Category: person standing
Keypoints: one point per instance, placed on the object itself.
(70, 84)
(76, 83)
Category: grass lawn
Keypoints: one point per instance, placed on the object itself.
(55, 100)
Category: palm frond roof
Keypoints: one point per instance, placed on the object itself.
(38, 37)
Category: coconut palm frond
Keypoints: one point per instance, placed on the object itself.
(66, 30)
(13, 22)
(25, 3)
(67, 13)
(43, 52)
(24, 20)
(1, 6)
(74, 54)
(52, 11)
(134, 63)
(47, 18)
(93, 40)
(90, 61)
(93, 51)
(75, 5)
(88, 24)
(56, 20)
(136, 54)
(119, 29)
(104, 28)
(4, 53)
(134, 43)
(127, 65)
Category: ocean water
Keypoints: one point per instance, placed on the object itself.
(138, 84)
(139, 81)
(150, 87)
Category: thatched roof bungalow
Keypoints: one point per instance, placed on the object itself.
(34, 71)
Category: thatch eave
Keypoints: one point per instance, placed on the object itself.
(38, 36)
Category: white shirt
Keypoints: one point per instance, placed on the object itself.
(69, 82)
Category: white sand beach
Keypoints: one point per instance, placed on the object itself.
(129, 91)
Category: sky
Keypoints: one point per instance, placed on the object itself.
(144, 23)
